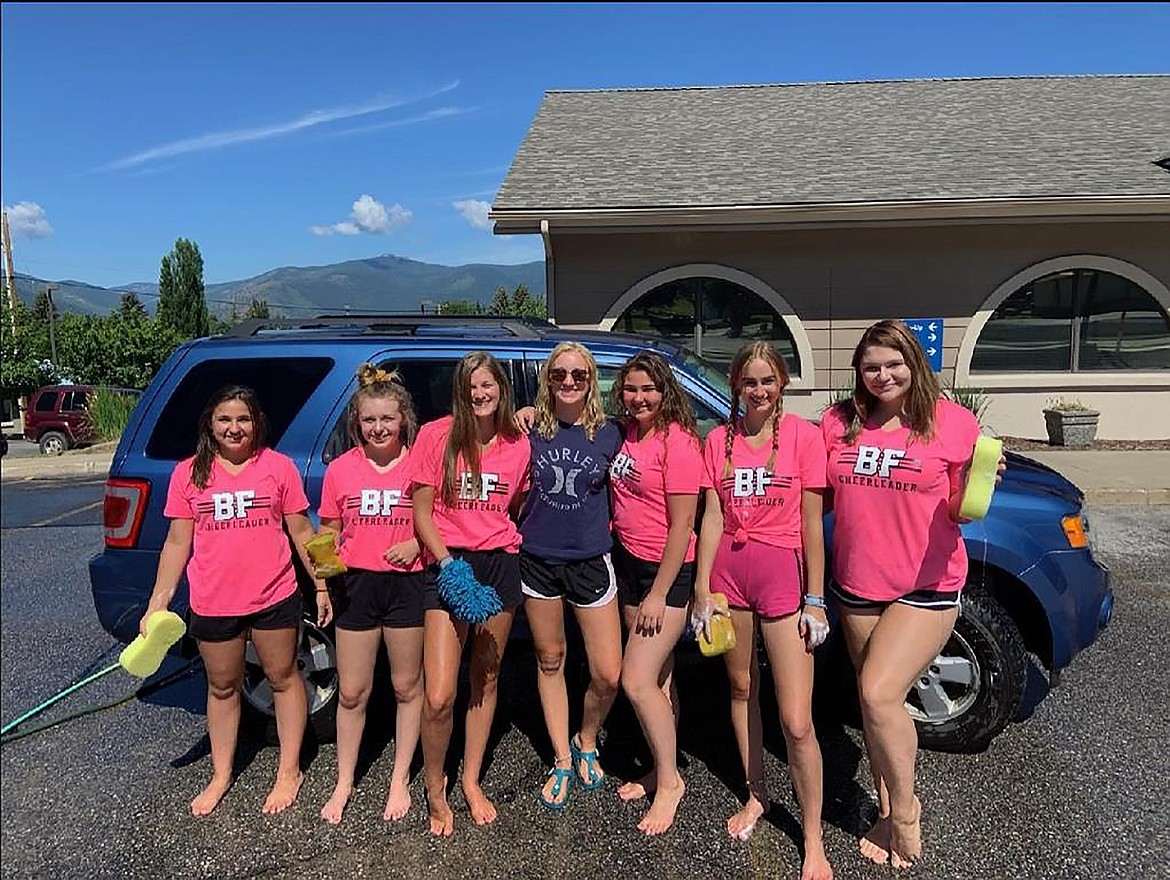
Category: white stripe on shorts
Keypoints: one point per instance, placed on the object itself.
(610, 593)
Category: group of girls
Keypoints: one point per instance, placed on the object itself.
(559, 504)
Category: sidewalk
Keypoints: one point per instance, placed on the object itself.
(1112, 476)
(1105, 476)
(93, 460)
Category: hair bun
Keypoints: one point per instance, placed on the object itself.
(368, 375)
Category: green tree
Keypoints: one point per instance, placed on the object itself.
(181, 304)
(42, 307)
(517, 302)
(257, 308)
(21, 357)
(117, 350)
(460, 307)
(130, 306)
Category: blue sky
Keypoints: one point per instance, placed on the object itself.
(277, 135)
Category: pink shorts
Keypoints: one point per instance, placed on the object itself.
(766, 579)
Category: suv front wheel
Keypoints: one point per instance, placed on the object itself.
(972, 689)
(317, 663)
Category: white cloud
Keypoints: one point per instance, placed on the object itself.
(27, 220)
(441, 113)
(368, 215)
(474, 212)
(219, 139)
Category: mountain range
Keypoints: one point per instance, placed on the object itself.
(385, 283)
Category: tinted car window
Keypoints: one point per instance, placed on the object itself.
(283, 385)
(705, 417)
(74, 400)
(47, 402)
(429, 384)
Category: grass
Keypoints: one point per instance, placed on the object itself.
(109, 413)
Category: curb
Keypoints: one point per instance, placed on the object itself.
(33, 468)
(1119, 497)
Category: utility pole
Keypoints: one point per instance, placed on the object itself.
(10, 289)
(9, 275)
(52, 325)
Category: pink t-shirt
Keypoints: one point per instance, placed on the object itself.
(893, 533)
(642, 474)
(763, 505)
(374, 507)
(241, 561)
(479, 518)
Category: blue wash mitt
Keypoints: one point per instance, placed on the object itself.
(465, 596)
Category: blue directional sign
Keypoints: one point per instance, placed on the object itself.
(930, 333)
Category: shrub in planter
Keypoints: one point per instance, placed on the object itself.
(1070, 423)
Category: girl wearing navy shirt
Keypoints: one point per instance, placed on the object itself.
(565, 558)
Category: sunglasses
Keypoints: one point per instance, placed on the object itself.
(558, 374)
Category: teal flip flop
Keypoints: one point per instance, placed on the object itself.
(564, 782)
(595, 780)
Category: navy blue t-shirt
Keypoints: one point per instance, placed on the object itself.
(566, 515)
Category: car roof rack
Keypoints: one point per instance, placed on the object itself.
(526, 326)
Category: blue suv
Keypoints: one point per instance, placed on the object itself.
(1035, 594)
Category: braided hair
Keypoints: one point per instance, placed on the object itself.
(753, 351)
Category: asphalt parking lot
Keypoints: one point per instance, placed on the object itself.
(1078, 790)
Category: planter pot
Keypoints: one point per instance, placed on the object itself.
(1074, 428)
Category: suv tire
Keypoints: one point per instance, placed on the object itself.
(963, 700)
(317, 665)
(53, 443)
(971, 691)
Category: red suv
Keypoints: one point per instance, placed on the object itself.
(56, 418)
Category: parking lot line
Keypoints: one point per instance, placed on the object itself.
(68, 513)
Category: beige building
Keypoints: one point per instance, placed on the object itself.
(1023, 223)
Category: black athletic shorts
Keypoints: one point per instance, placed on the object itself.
(364, 600)
(586, 583)
(635, 577)
(931, 600)
(497, 568)
(285, 614)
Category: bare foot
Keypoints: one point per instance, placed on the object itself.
(875, 843)
(816, 864)
(660, 816)
(483, 811)
(638, 788)
(906, 838)
(442, 819)
(742, 824)
(397, 802)
(208, 799)
(335, 806)
(283, 793)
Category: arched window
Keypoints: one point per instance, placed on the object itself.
(712, 316)
(1075, 319)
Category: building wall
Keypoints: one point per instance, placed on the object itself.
(839, 280)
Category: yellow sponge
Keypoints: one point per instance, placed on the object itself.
(143, 656)
(981, 481)
(722, 629)
(322, 549)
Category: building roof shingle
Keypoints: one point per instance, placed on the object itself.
(840, 143)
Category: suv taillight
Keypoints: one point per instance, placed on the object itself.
(123, 510)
